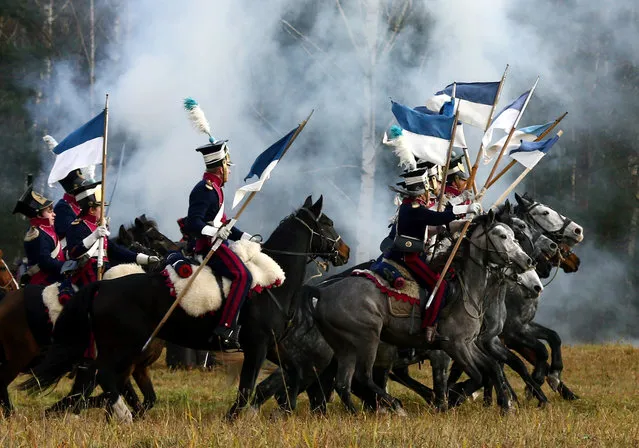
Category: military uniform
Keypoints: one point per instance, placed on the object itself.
(83, 241)
(41, 244)
(67, 209)
(204, 220)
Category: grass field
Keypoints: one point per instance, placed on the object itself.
(191, 406)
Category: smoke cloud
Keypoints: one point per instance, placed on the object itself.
(259, 68)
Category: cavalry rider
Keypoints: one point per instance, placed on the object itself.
(413, 220)
(41, 244)
(84, 235)
(206, 220)
(456, 192)
(67, 209)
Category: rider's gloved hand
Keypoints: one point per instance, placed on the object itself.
(101, 231)
(475, 208)
(246, 236)
(144, 259)
(224, 232)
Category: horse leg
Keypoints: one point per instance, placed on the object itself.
(79, 397)
(320, 392)
(455, 373)
(534, 352)
(497, 376)
(343, 379)
(131, 397)
(460, 352)
(515, 363)
(556, 361)
(402, 376)
(439, 362)
(254, 356)
(108, 379)
(142, 377)
(270, 386)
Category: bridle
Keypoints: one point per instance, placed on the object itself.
(11, 283)
(557, 235)
(503, 254)
(330, 253)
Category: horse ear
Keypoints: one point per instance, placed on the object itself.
(521, 201)
(308, 202)
(317, 207)
(138, 223)
(491, 216)
(122, 234)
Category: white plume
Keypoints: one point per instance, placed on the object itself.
(89, 172)
(50, 141)
(197, 117)
(402, 151)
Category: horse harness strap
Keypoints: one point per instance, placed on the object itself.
(559, 232)
(288, 316)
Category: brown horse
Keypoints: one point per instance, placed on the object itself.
(7, 281)
(25, 331)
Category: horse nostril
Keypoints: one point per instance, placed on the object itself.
(537, 288)
(578, 230)
(553, 246)
(529, 261)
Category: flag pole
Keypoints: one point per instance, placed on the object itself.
(217, 242)
(469, 168)
(473, 172)
(442, 188)
(510, 136)
(513, 162)
(512, 186)
(103, 186)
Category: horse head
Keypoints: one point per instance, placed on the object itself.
(529, 282)
(146, 232)
(495, 242)
(560, 229)
(325, 241)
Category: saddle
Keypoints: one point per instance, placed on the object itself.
(208, 290)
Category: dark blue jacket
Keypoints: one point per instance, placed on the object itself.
(80, 229)
(413, 220)
(39, 245)
(64, 217)
(204, 205)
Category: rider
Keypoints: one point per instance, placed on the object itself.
(85, 233)
(206, 220)
(456, 192)
(67, 209)
(41, 244)
(413, 219)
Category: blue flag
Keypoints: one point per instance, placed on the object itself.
(530, 153)
(263, 166)
(477, 99)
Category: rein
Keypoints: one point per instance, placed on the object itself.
(555, 233)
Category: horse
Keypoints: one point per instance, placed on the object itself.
(25, 332)
(520, 332)
(7, 281)
(353, 315)
(123, 312)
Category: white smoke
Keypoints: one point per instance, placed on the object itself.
(258, 68)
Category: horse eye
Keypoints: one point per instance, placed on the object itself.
(521, 226)
(504, 237)
(546, 213)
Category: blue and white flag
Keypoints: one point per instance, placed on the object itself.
(460, 138)
(81, 148)
(427, 136)
(478, 99)
(263, 166)
(528, 134)
(529, 153)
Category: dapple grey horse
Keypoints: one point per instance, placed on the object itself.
(353, 316)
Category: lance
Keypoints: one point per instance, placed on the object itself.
(103, 186)
(516, 182)
(473, 172)
(469, 168)
(442, 188)
(479, 196)
(513, 162)
(510, 136)
(117, 175)
(217, 242)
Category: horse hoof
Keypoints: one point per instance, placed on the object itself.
(279, 414)
(401, 412)
(122, 412)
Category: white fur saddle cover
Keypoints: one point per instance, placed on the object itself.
(205, 296)
(50, 293)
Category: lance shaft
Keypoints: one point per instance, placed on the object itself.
(216, 244)
(103, 186)
(442, 188)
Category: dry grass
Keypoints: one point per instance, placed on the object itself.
(191, 406)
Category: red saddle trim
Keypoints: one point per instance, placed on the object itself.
(394, 294)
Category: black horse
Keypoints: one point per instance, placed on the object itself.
(122, 313)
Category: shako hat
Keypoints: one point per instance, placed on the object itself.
(415, 183)
(456, 167)
(73, 181)
(90, 195)
(214, 153)
(31, 203)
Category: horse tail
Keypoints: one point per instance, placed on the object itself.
(71, 336)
